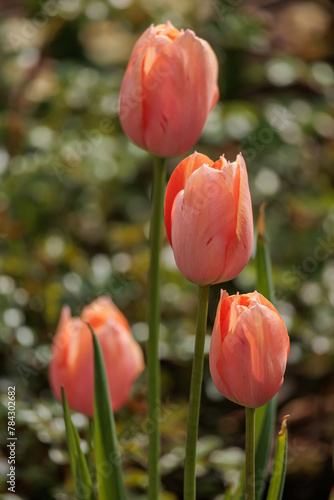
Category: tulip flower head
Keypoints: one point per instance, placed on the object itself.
(72, 365)
(249, 349)
(168, 90)
(209, 219)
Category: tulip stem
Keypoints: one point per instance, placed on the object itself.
(153, 364)
(250, 454)
(195, 395)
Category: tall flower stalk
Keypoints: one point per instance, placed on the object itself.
(250, 454)
(154, 322)
(168, 90)
(195, 395)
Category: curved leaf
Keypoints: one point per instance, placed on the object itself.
(279, 468)
(82, 479)
(108, 464)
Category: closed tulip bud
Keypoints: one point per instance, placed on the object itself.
(209, 219)
(168, 90)
(72, 358)
(249, 349)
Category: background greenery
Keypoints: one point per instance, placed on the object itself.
(74, 210)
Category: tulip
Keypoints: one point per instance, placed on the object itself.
(168, 90)
(249, 349)
(208, 218)
(72, 364)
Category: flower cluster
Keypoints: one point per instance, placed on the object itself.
(168, 90)
(209, 223)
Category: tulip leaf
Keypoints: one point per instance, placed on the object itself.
(263, 263)
(240, 491)
(69, 434)
(108, 469)
(266, 415)
(82, 479)
(84, 482)
(228, 493)
(264, 425)
(279, 468)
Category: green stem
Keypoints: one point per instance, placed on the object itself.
(250, 454)
(153, 322)
(195, 395)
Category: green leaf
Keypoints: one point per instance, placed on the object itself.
(90, 453)
(108, 465)
(264, 426)
(263, 263)
(266, 415)
(279, 468)
(228, 493)
(84, 482)
(71, 445)
(82, 479)
(240, 491)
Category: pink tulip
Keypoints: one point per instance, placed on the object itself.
(208, 218)
(168, 90)
(72, 363)
(249, 349)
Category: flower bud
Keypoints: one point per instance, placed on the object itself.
(209, 219)
(249, 349)
(168, 90)
(72, 358)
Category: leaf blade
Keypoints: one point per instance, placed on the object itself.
(279, 468)
(263, 262)
(82, 479)
(265, 416)
(264, 428)
(108, 470)
(71, 445)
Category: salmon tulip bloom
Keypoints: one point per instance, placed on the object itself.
(249, 349)
(72, 359)
(209, 219)
(168, 90)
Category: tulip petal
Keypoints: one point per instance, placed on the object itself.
(131, 94)
(263, 301)
(176, 109)
(72, 359)
(160, 39)
(248, 364)
(124, 361)
(240, 247)
(99, 311)
(203, 222)
(177, 183)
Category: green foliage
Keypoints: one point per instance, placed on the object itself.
(82, 479)
(279, 468)
(108, 462)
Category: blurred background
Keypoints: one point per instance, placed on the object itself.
(74, 211)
